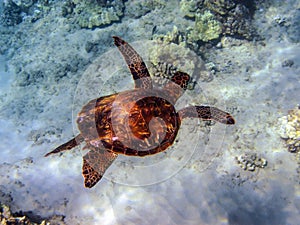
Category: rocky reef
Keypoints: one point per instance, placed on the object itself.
(92, 14)
(11, 14)
(204, 23)
(167, 58)
(86, 14)
(136, 9)
(16, 11)
(7, 218)
(290, 129)
(215, 18)
(206, 28)
(250, 161)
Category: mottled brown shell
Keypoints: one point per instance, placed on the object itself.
(138, 122)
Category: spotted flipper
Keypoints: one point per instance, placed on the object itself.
(68, 145)
(177, 85)
(206, 113)
(95, 163)
(135, 64)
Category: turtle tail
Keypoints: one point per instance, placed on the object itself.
(68, 145)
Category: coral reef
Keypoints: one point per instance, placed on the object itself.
(23, 3)
(136, 9)
(178, 44)
(17, 11)
(41, 136)
(238, 22)
(290, 129)
(91, 14)
(7, 218)
(250, 161)
(284, 25)
(220, 7)
(220, 17)
(174, 36)
(206, 28)
(190, 7)
(11, 14)
(162, 72)
(173, 54)
(166, 57)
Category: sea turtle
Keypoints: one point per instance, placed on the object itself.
(137, 122)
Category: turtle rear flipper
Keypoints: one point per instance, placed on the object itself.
(95, 163)
(68, 145)
(206, 113)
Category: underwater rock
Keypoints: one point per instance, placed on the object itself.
(23, 3)
(167, 56)
(174, 36)
(91, 14)
(189, 8)
(287, 63)
(11, 14)
(67, 8)
(218, 17)
(221, 7)
(293, 27)
(286, 22)
(136, 9)
(250, 161)
(289, 129)
(170, 53)
(17, 11)
(162, 72)
(206, 28)
(30, 75)
(238, 22)
(41, 136)
(7, 218)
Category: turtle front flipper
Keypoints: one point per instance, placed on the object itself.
(206, 113)
(177, 86)
(95, 163)
(135, 64)
(68, 145)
